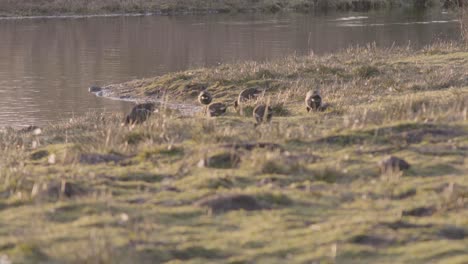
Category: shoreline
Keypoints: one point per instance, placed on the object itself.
(90, 8)
(213, 12)
(185, 109)
(179, 85)
(78, 16)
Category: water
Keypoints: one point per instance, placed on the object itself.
(46, 65)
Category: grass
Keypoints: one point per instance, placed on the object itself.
(90, 190)
(68, 7)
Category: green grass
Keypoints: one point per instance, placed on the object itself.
(320, 193)
(68, 7)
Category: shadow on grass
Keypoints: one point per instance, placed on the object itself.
(437, 170)
(197, 252)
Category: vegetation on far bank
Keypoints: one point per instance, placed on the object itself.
(80, 7)
(304, 189)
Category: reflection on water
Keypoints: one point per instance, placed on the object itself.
(46, 65)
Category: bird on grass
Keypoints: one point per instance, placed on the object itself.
(216, 109)
(140, 113)
(205, 98)
(262, 114)
(245, 95)
(313, 100)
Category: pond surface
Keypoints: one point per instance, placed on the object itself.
(47, 64)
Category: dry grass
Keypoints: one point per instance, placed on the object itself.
(92, 191)
(351, 81)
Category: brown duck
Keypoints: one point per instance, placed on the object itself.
(313, 100)
(216, 109)
(140, 113)
(205, 98)
(247, 94)
(262, 113)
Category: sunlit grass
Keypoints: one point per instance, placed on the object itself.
(90, 190)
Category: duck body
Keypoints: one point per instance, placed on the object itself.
(262, 113)
(247, 94)
(140, 113)
(216, 109)
(94, 89)
(205, 98)
(313, 101)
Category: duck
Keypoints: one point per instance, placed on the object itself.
(216, 109)
(313, 100)
(205, 98)
(262, 113)
(245, 95)
(94, 89)
(28, 129)
(140, 113)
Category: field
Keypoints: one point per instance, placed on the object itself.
(87, 7)
(305, 188)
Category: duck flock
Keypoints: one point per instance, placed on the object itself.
(262, 113)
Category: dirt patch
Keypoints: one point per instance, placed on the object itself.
(40, 154)
(57, 189)
(404, 195)
(342, 139)
(94, 158)
(282, 165)
(403, 225)
(433, 135)
(371, 240)
(307, 158)
(137, 201)
(225, 203)
(225, 160)
(170, 189)
(453, 233)
(420, 211)
(440, 150)
(197, 252)
(252, 146)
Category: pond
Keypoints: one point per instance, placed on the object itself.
(47, 64)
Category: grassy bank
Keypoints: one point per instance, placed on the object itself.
(92, 191)
(67, 7)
